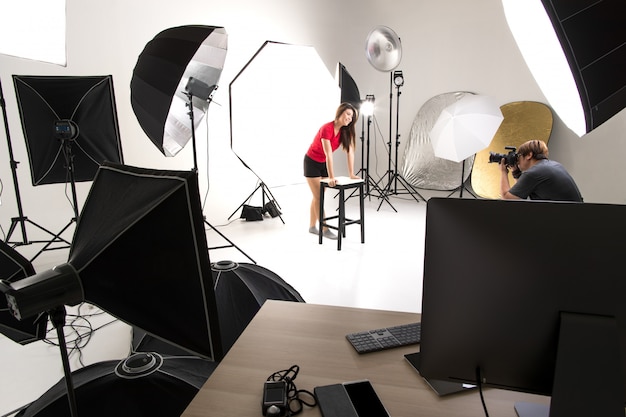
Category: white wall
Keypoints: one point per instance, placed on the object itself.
(448, 45)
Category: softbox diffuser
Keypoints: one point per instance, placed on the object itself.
(241, 289)
(132, 387)
(141, 254)
(160, 77)
(89, 104)
(592, 35)
(349, 89)
(281, 85)
(13, 267)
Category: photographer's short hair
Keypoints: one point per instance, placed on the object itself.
(538, 148)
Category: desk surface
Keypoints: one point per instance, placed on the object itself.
(283, 334)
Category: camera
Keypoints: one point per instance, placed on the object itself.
(275, 398)
(510, 159)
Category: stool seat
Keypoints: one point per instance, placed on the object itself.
(343, 184)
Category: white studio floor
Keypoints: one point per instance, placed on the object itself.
(383, 273)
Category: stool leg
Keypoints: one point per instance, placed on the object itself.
(341, 232)
(362, 212)
(321, 217)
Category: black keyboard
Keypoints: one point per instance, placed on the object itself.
(387, 338)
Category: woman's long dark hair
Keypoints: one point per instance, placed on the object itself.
(348, 133)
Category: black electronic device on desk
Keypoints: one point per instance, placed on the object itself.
(350, 399)
(385, 338)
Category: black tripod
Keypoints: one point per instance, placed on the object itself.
(365, 163)
(392, 174)
(190, 96)
(57, 318)
(462, 187)
(22, 220)
(271, 206)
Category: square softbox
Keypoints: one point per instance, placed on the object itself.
(87, 103)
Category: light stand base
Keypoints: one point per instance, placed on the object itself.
(265, 194)
(462, 187)
(56, 238)
(230, 243)
(394, 178)
(369, 185)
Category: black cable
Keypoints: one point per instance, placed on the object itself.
(480, 390)
(83, 332)
(293, 393)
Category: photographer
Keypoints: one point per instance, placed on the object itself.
(538, 178)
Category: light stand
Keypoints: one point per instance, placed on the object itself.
(57, 318)
(397, 79)
(271, 206)
(65, 131)
(21, 220)
(368, 110)
(462, 187)
(203, 91)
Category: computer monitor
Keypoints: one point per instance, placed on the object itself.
(528, 296)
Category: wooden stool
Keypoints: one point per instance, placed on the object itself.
(342, 185)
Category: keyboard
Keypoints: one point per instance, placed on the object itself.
(386, 338)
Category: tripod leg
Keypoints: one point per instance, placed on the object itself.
(55, 239)
(230, 245)
(410, 188)
(267, 193)
(384, 197)
(244, 201)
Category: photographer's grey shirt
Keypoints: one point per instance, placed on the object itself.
(546, 180)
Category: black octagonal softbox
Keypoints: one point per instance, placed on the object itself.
(593, 37)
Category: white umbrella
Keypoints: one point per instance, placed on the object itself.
(465, 127)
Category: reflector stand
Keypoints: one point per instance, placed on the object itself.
(365, 150)
(23, 220)
(383, 50)
(201, 90)
(393, 177)
(262, 186)
(265, 194)
(462, 187)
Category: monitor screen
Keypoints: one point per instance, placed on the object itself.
(499, 278)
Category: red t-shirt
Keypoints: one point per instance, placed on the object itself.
(316, 150)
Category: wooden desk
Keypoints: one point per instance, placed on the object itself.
(313, 336)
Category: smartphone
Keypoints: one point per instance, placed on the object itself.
(364, 399)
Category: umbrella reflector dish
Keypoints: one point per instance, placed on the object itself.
(465, 127)
(161, 74)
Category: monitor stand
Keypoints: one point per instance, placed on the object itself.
(440, 387)
(588, 373)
